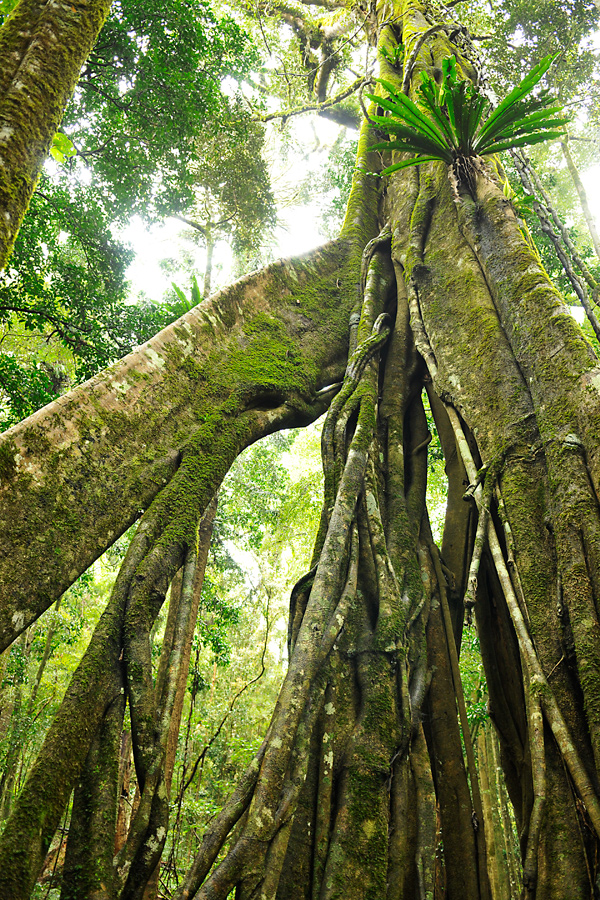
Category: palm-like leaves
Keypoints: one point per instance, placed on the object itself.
(449, 123)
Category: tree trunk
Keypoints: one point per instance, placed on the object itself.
(363, 757)
(181, 674)
(42, 49)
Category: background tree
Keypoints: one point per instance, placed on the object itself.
(233, 202)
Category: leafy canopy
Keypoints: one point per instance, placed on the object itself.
(449, 121)
(130, 143)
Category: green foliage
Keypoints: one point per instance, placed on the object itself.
(232, 197)
(473, 679)
(395, 57)
(62, 148)
(332, 183)
(149, 100)
(184, 304)
(520, 32)
(251, 497)
(151, 86)
(64, 313)
(449, 121)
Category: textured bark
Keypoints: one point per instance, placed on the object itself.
(43, 46)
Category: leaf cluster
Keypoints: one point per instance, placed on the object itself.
(231, 182)
(450, 122)
(64, 313)
(152, 84)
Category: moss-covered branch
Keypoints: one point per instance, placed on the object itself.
(75, 475)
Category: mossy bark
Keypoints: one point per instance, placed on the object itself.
(76, 474)
(42, 49)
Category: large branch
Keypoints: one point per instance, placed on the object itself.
(76, 474)
(320, 108)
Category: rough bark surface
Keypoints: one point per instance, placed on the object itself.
(43, 45)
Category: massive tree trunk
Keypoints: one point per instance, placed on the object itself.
(433, 286)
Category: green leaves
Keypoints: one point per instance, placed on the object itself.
(448, 121)
(62, 147)
(184, 305)
(151, 86)
(521, 120)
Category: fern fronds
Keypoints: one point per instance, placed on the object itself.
(449, 121)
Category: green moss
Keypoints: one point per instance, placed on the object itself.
(8, 461)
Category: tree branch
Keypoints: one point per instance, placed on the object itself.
(313, 107)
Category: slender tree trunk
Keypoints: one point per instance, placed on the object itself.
(210, 246)
(204, 536)
(45, 657)
(583, 198)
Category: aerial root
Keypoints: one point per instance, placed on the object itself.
(489, 483)
(535, 730)
(537, 684)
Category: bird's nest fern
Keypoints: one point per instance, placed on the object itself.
(451, 120)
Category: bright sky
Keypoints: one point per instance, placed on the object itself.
(297, 232)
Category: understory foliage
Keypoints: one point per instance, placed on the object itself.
(376, 775)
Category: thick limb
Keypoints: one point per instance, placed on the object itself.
(233, 353)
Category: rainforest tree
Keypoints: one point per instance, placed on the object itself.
(121, 151)
(434, 288)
